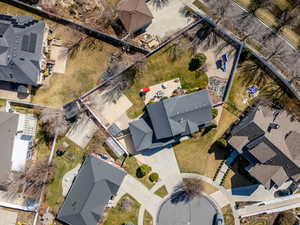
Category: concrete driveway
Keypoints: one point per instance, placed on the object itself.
(165, 164)
(168, 19)
(8, 217)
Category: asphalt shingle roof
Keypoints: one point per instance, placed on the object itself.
(95, 184)
(170, 117)
(21, 43)
(8, 130)
(134, 14)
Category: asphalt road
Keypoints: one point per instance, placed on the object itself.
(198, 211)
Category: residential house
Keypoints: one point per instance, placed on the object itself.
(134, 15)
(168, 120)
(270, 141)
(96, 184)
(23, 41)
(17, 132)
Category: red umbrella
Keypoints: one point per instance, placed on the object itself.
(146, 89)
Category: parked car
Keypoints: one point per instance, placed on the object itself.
(283, 193)
(218, 219)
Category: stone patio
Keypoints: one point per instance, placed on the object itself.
(170, 86)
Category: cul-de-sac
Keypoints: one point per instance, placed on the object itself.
(149, 112)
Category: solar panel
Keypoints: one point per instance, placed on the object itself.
(33, 39)
(25, 43)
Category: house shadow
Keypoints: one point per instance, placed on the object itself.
(241, 182)
(220, 152)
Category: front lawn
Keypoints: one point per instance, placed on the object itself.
(131, 165)
(123, 212)
(228, 216)
(148, 220)
(162, 192)
(159, 68)
(199, 155)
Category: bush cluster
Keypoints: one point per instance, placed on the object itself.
(197, 62)
(154, 177)
(222, 142)
(143, 170)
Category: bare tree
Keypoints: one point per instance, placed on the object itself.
(187, 191)
(30, 183)
(276, 49)
(220, 10)
(54, 121)
(159, 3)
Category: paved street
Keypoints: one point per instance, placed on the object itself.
(280, 204)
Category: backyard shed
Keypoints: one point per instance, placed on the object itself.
(134, 15)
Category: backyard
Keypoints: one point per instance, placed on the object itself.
(159, 68)
(62, 164)
(82, 73)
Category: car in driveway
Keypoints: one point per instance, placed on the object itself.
(218, 219)
(282, 193)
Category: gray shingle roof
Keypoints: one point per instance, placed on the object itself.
(276, 151)
(8, 129)
(170, 116)
(141, 134)
(95, 184)
(21, 43)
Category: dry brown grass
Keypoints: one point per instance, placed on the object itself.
(82, 73)
(193, 155)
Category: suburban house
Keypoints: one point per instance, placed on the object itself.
(96, 184)
(17, 134)
(270, 141)
(134, 15)
(23, 41)
(168, 120)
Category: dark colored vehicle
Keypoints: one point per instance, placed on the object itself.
(218, 219)
(283, 193)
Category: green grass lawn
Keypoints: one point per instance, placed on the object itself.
(160, 68)
(228, 216)
(148, 220)
(118, 216)
(73, 156)
(2, 102)
(162, 192)
(201, 6)
(196, 155)
(259, 222)
(131, 166)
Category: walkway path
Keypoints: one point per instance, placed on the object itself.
(142, 194)
(225, 167)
